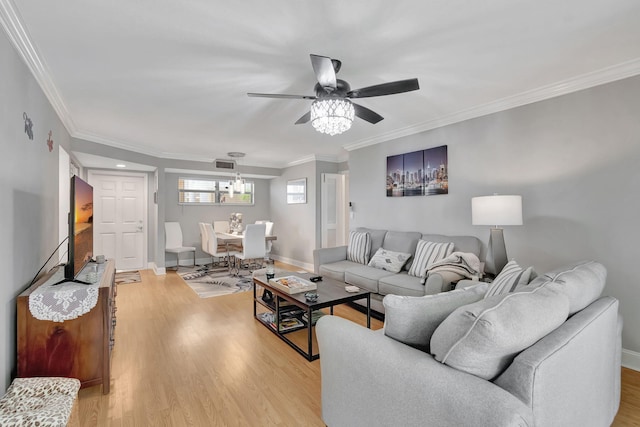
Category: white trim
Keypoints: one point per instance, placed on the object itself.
(314, 158)
(157, 270)
(631, 359)
(573, 84)
(12, 23)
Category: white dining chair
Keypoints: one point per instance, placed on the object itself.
(268, 232)
(173, 242)
(253, 247)
(214, 249)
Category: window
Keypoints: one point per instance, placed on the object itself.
(202, 191)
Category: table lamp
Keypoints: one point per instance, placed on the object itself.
(496, 210)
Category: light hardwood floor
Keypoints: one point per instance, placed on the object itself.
(184, 361)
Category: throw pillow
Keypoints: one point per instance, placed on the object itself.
(581, 282)
(426, 254)
(359, 247)
(483, 338)
(389, 260)
(412, 320)
(511, 276)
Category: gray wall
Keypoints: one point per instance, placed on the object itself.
(28, 190)
(574, 159)
(295, 225)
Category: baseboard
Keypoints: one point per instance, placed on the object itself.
(631, 359)
(294, 262)
(159, 271)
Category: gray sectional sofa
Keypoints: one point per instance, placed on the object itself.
(333, 263)
(547, 354)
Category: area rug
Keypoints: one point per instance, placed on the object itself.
(123, 277)
(210, 282)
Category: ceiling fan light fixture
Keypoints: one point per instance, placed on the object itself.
(332, 116)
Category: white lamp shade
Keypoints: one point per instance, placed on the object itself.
(496, 210)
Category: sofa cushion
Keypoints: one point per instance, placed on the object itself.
(401, 284)
(582, 282)
(335, 270)
(402, 241)
(389, 260)
(426, 254)
(483, 338)
(460, 243)
(365, 277)
(377, 237)
(511, 276)
(412, 320)
(359, 247)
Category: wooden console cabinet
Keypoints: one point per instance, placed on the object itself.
(78, 348)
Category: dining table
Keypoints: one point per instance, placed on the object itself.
(236, 239)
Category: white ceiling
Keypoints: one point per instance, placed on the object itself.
(170, 78)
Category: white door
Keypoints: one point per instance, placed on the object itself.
(333, 210)
(120, 217)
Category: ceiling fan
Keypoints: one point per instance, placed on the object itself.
(332, 110)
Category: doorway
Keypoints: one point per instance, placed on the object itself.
(334, 218)
(120, 217)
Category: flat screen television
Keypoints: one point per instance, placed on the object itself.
(80, 228)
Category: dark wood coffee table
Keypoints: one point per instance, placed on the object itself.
(330, 293)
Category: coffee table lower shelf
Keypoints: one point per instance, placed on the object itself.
(330, 294)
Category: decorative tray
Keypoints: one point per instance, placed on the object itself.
(292, 284)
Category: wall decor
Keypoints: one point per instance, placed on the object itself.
(297, 191)
(28, 125)
(419, 173)
(50, 142)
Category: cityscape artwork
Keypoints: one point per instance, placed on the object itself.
(420, 173)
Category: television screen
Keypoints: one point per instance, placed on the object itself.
(80, 227)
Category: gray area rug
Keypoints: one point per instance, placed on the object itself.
(210, 282)
(123, 277)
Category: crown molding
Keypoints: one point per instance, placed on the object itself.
(574, 84)
(19, 37)
(314, 158)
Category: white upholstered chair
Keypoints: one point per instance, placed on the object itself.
(173, 242)
(253, 247)
(213, 249)
(268, 232)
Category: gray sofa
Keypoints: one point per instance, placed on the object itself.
(333, 263)
(570, 376)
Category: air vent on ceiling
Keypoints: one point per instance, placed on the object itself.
(225, 164)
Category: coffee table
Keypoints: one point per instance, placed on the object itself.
(330, 293)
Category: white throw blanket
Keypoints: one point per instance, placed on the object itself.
(465, 264)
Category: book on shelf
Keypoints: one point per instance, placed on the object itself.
(315, 315)
(286, 322)
(289, 323)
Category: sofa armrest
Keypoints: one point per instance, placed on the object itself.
(441, 281)
(371, 379)
(328, 255)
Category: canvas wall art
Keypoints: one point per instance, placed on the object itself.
(419, 173)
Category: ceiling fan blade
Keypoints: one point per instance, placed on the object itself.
(385, 89)
(323, 67)
(366, 114)
(304, 119)
(280, 96)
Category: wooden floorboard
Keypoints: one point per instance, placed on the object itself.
(180, 360)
